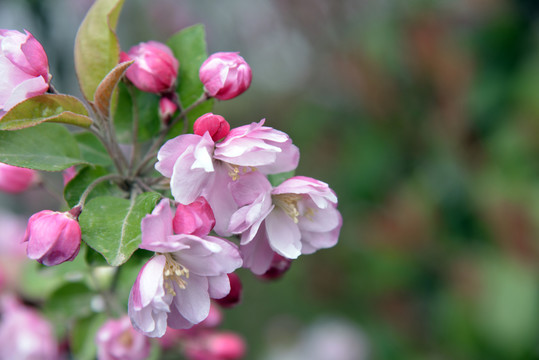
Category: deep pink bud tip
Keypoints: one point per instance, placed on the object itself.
(234, 296)
(279, 266)
(215, 125)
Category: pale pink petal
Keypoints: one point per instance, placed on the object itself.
(186, 183)
(320, 220)
(257, 255)
(283, 234)
(193, 302)
(219, 286)
(220, 199)
(157, 227)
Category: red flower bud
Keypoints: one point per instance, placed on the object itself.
(215, 125)
(167, 108)
(194, 219)
(279, 266)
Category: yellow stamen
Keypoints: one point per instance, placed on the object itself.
(176, 272)
(289, 204)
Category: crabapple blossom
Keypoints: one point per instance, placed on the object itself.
(297, 217)
(53, 237)
(234, 296)
(215, 125)
(175, 286)
(194, 219)
(167, 108)
(14, 179)
(117, 340)
(198, 166)
(25, 334)
(225, 75)
(155, 68)
(24, 68)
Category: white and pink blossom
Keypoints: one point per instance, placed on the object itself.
(117, 340)
(174, 288)
(24, 68)
(297, 217)
(198, 166)
(25, 334)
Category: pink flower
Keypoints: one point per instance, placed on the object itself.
(24, 68)
(234, 296)
(225, 75)
(155, 68)
(25, 334)
(215, 125)
(297, 217)
(198, 166)
(117, 340)
(174, 288)
(215, 346)
(14, 179)
(53, 237)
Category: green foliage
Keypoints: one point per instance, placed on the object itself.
(96, 47)
(49, 147)
(111, 225)
(87, 175)
(189, 47)
(48, 107)
(92, 150)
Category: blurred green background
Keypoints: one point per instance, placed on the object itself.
(423, 116)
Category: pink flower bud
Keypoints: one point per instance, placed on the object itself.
(53, 237)
(234, 296)
(279, 266)
(194, 219)
(155, 68)
(216, 346)
(118, 340)
(167, 108)
(215, 125)
(24, 67)
(225, 75)
(14, 179)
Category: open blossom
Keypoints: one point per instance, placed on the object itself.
(225, 75)
(155, 68)
(25, 334)
(53, 237)
(14, 179)
(174, 288)
(24, 68)
(297, 217)
(198, 166)
(117, 340)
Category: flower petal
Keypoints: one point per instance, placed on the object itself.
(283, 234)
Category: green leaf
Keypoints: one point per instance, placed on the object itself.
(49, 147)
(111, 225)
(277, 179)
(82, 337)
(148, 114)
(97, 50)
(105, 90)
(92, 150)
(189, 47)
(81, 181)
(48, 107)
(68, 301)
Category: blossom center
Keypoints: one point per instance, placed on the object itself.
(175, 272)
(289, 204)
(235, 171)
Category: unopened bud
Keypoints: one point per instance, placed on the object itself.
(225, 75)
(53, 237)
(155, 68)
(215, 125)
(167, 108)
(196, 218)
